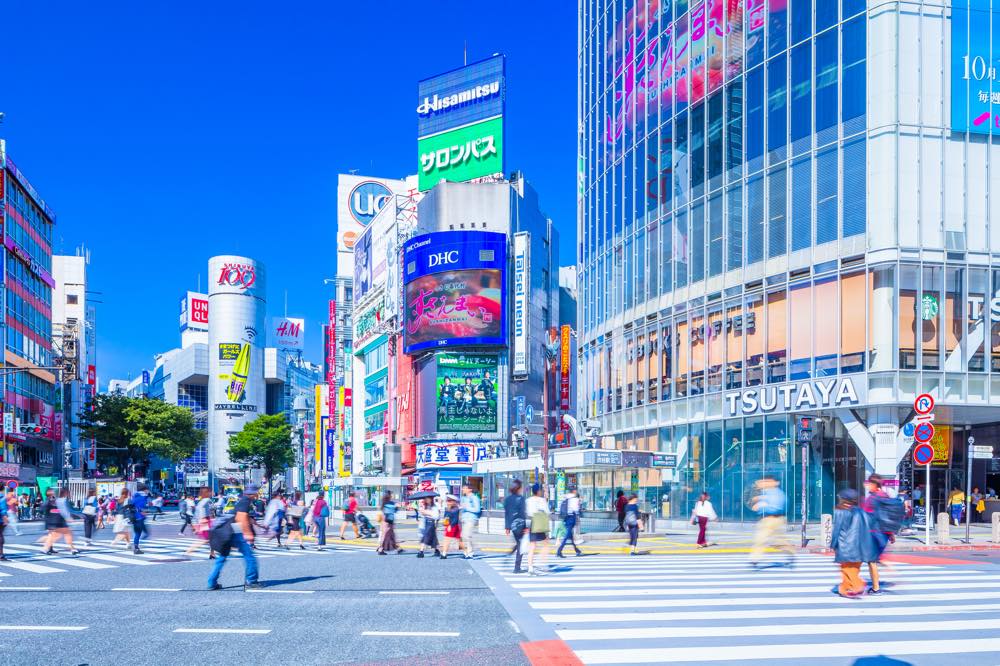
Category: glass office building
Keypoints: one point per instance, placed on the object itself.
(785, 210)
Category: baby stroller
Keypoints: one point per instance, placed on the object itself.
(365, 526)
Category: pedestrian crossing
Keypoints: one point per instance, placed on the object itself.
(715, 608)
(28, 558)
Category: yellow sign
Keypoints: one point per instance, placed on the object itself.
(941, 441)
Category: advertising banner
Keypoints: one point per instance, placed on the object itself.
(461, 154)
(466, 389)
(331, 360)
(330, 445)
(975, 50)
(194, 312)
(454, 289)
(363, 265)
(564, 367)
(359, 200)
(522, 291)
(437, 456)
(462, 96)
(287, 332)
(368, 321)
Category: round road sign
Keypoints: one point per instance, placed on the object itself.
(12, 485)
(923, 432)
(923, 454)
(924, 404)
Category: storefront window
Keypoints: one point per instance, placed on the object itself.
(732, 500)
(666, 354)
(697, 385)
(715, 342)
(653, 369)
(629, 370)
(777, 335)
(994, 327)
(640, 366)
(755, 337)
(909, 286)
(825, 330)
(852, 322)
(753, 453)
(930, 315)
(681, 348)
(734, 344)
(713, 462)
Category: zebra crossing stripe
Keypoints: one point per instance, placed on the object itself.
(776, 583)
(80, 562)
(120, 560)
(30, 568)
(745, 653)
(657, 591)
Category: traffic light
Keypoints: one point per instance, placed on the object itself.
(33, 429)
(805, 430)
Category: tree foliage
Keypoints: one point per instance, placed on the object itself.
(264, 443)
(135, 428)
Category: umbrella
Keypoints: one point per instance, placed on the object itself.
(422, 494)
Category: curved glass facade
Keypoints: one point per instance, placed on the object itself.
(754, 217)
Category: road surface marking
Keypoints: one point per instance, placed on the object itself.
(119, 559)
(435, 634)
(145, 589)
(555, 581)
(31, 568)
(416, 592)
(282, 591)
(676, 590)
(80, 562)
(800, 651)
(7, 588)
(28, 627)
(201, 630)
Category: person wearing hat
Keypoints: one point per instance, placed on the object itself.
(852, 543)
(241, 537)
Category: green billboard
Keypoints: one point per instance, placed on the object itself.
(466, 392)
(461, 154)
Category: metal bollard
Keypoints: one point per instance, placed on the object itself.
(826, 529)
(943, 529)
(996, 527)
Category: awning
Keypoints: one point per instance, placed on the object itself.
(509, 464)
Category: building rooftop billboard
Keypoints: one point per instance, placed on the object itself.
(461, 97)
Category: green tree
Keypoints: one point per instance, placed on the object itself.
(162, 429)
(264, 443)
(104, 420)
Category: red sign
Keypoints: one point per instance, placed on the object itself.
(923, 454)
(924, 404)
(564, 363)
(238, 275)
(199, 310)
(91, 375)
(924, 432)
(331, 362)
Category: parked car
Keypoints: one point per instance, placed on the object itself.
(171, 499)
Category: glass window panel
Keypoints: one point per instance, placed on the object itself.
(777, 221)
(909, 287)
(777, 335)
(826, 87)
(681, 348)
(930, 314)
(777, 109)
(801, 20)
(734, 130)
(826, 195)
(653, 258)
(826, 14)
(640, 266)
(777, 26)
(754, 137)
(732, 478)
(851, 7)
(715, 141)
(640, 368)
(734, 223)
(826, 326)
(698, 35)
(854, 187)
(801, 203)
(994, 326)
(753, 453)
(697, 151)
(754, 339)
(698, 333)
(653, 366)
(666, 357)
(667, 255)
(755, 19)
(734, 39)
(954, 310)
(713, 462)
(715, 336)
(681, 56)
(715, 234)
(853, 289)
(682, 161)
(666, 167)
(853, 87)
(755, 219)
(978, 302)
(800, 298)
(735, 329)
(801, 92)
(681, 253)
(715, 55)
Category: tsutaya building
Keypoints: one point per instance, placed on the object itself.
(787, 210)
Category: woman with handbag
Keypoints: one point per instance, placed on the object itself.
(121, 526)
(452, 526)
(537, 508)
(90, 509)
(702, 513)
(430, 513)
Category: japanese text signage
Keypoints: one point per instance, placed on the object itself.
(368, 321)
(461, 155)
(466, 392)
(564, 366)
(436, 456)
(975, 51)
(460, 97)
(603, 458)
(520, 314)
(454, 289)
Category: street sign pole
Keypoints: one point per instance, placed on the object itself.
(927, 505)
(968, 489)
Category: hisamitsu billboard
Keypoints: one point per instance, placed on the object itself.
(975, 51)
(462, 96)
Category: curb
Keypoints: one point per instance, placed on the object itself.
(920, 549)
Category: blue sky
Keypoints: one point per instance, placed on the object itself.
(163, 133)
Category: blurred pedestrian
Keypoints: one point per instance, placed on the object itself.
(569, 512)
(186, 510)
(321, 513)
(977, 505)
(452, 520)
(471, 510)
(515, 521)
(57, 519)
(620, 502)
(772, 528)
(701, 515)
(89, 516)
(274, 517)
(202, 522)
(236, 532)
(350, 516)
(885, 515)
(13, 509)
(387, 521)
(430, 514)
(138, 507)
(537, 510)
(5, 513)
(633, 522)
(156, 506)
(121, 523)
(850, 532)
(956, 504)
(294, 515)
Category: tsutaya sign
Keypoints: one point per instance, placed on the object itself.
(800, 396)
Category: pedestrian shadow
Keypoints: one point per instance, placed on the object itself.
(880, 661)
(273, 582)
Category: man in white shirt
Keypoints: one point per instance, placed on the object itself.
(569, 511)
(471, 510)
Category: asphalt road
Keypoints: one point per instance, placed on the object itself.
(349, 606)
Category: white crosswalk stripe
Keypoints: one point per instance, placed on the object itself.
(707, 609)
(30, 558)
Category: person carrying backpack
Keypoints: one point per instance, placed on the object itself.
(569, 513)
(350, 516)
(852, 543)
(320, 514)
(234, 530)
(885, 516)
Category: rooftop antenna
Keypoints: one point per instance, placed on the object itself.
(286, 302)
(465, 52)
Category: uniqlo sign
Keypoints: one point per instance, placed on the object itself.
(199, 310)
